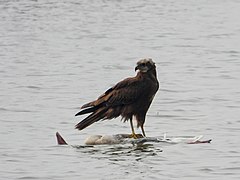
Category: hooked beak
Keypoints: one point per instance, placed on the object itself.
(136, 68)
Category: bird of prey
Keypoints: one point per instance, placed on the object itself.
(129, 98)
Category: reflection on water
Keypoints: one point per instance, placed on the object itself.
(56, 56)
(120, 151)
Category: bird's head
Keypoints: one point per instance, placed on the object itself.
(145, 65)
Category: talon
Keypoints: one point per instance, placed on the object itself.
(135, 136)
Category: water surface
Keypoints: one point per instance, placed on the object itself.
(57, 55)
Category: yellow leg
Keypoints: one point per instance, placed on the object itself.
(143, 131)
(134, 135)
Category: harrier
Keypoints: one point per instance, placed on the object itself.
(128, 98)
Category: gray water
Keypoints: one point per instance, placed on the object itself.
(57, 55)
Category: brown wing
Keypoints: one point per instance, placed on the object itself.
(125, 95)
(125, 92)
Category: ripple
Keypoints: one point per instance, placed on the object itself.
(16, 110)
(52, 53)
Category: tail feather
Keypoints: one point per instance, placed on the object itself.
(87, 105)
(86, 111)
(92, 118)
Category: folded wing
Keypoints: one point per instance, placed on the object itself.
(112, 102)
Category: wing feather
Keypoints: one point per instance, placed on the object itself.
(123, 93)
